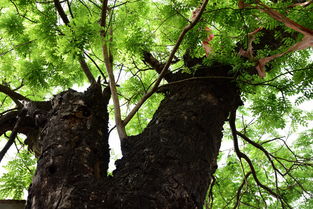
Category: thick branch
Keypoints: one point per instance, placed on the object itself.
(16, 97)
(20, 116)
(152, 61)
(167, 64)
(158, 66)
(7, 121)
(61, 12)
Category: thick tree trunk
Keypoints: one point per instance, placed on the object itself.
(168, 166)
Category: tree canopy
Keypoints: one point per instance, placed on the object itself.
(48, 46)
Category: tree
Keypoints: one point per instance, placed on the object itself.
(190, 68)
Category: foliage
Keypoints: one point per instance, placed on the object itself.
(16, 180)
(40, 53)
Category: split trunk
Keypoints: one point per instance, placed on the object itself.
(168, 166)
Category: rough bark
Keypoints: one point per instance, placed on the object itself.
(168, 166)
(74, 149)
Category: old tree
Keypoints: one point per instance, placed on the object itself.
(175, 77)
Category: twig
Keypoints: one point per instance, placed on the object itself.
(69, 8)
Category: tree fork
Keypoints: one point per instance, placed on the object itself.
(169, 165)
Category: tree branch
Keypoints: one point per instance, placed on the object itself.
(307, 40)
(7, 121)
(16, 97)
(86, 70)
(82, 61)
(15, 47)
(193, 22)
(108, 60)
(97, 66)
(158, 66)
(104, 9)
(232, 119)
(61, 12)
(244, 181)
(20, 117)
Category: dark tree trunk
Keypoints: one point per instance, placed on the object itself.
(168, 166)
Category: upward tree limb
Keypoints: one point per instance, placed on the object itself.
(82, 61)
(108, 60)
(193, 22)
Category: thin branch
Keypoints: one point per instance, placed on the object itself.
(210, 196)
(83, 3)
(48, 2)
(99, 7)
(192, 79)
(15, 47)
(238, 196)
(9, 110)
(97, 66)
(18, 12)
(69, 8)
(121, 4)
(166, 66)
(304, 4)
(232, 119)
(260, 147)
(82, 61)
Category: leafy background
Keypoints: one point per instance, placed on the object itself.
(40, 54)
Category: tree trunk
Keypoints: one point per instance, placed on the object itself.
(168, 166)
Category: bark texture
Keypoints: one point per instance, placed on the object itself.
(168, 166)
(73, 147)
